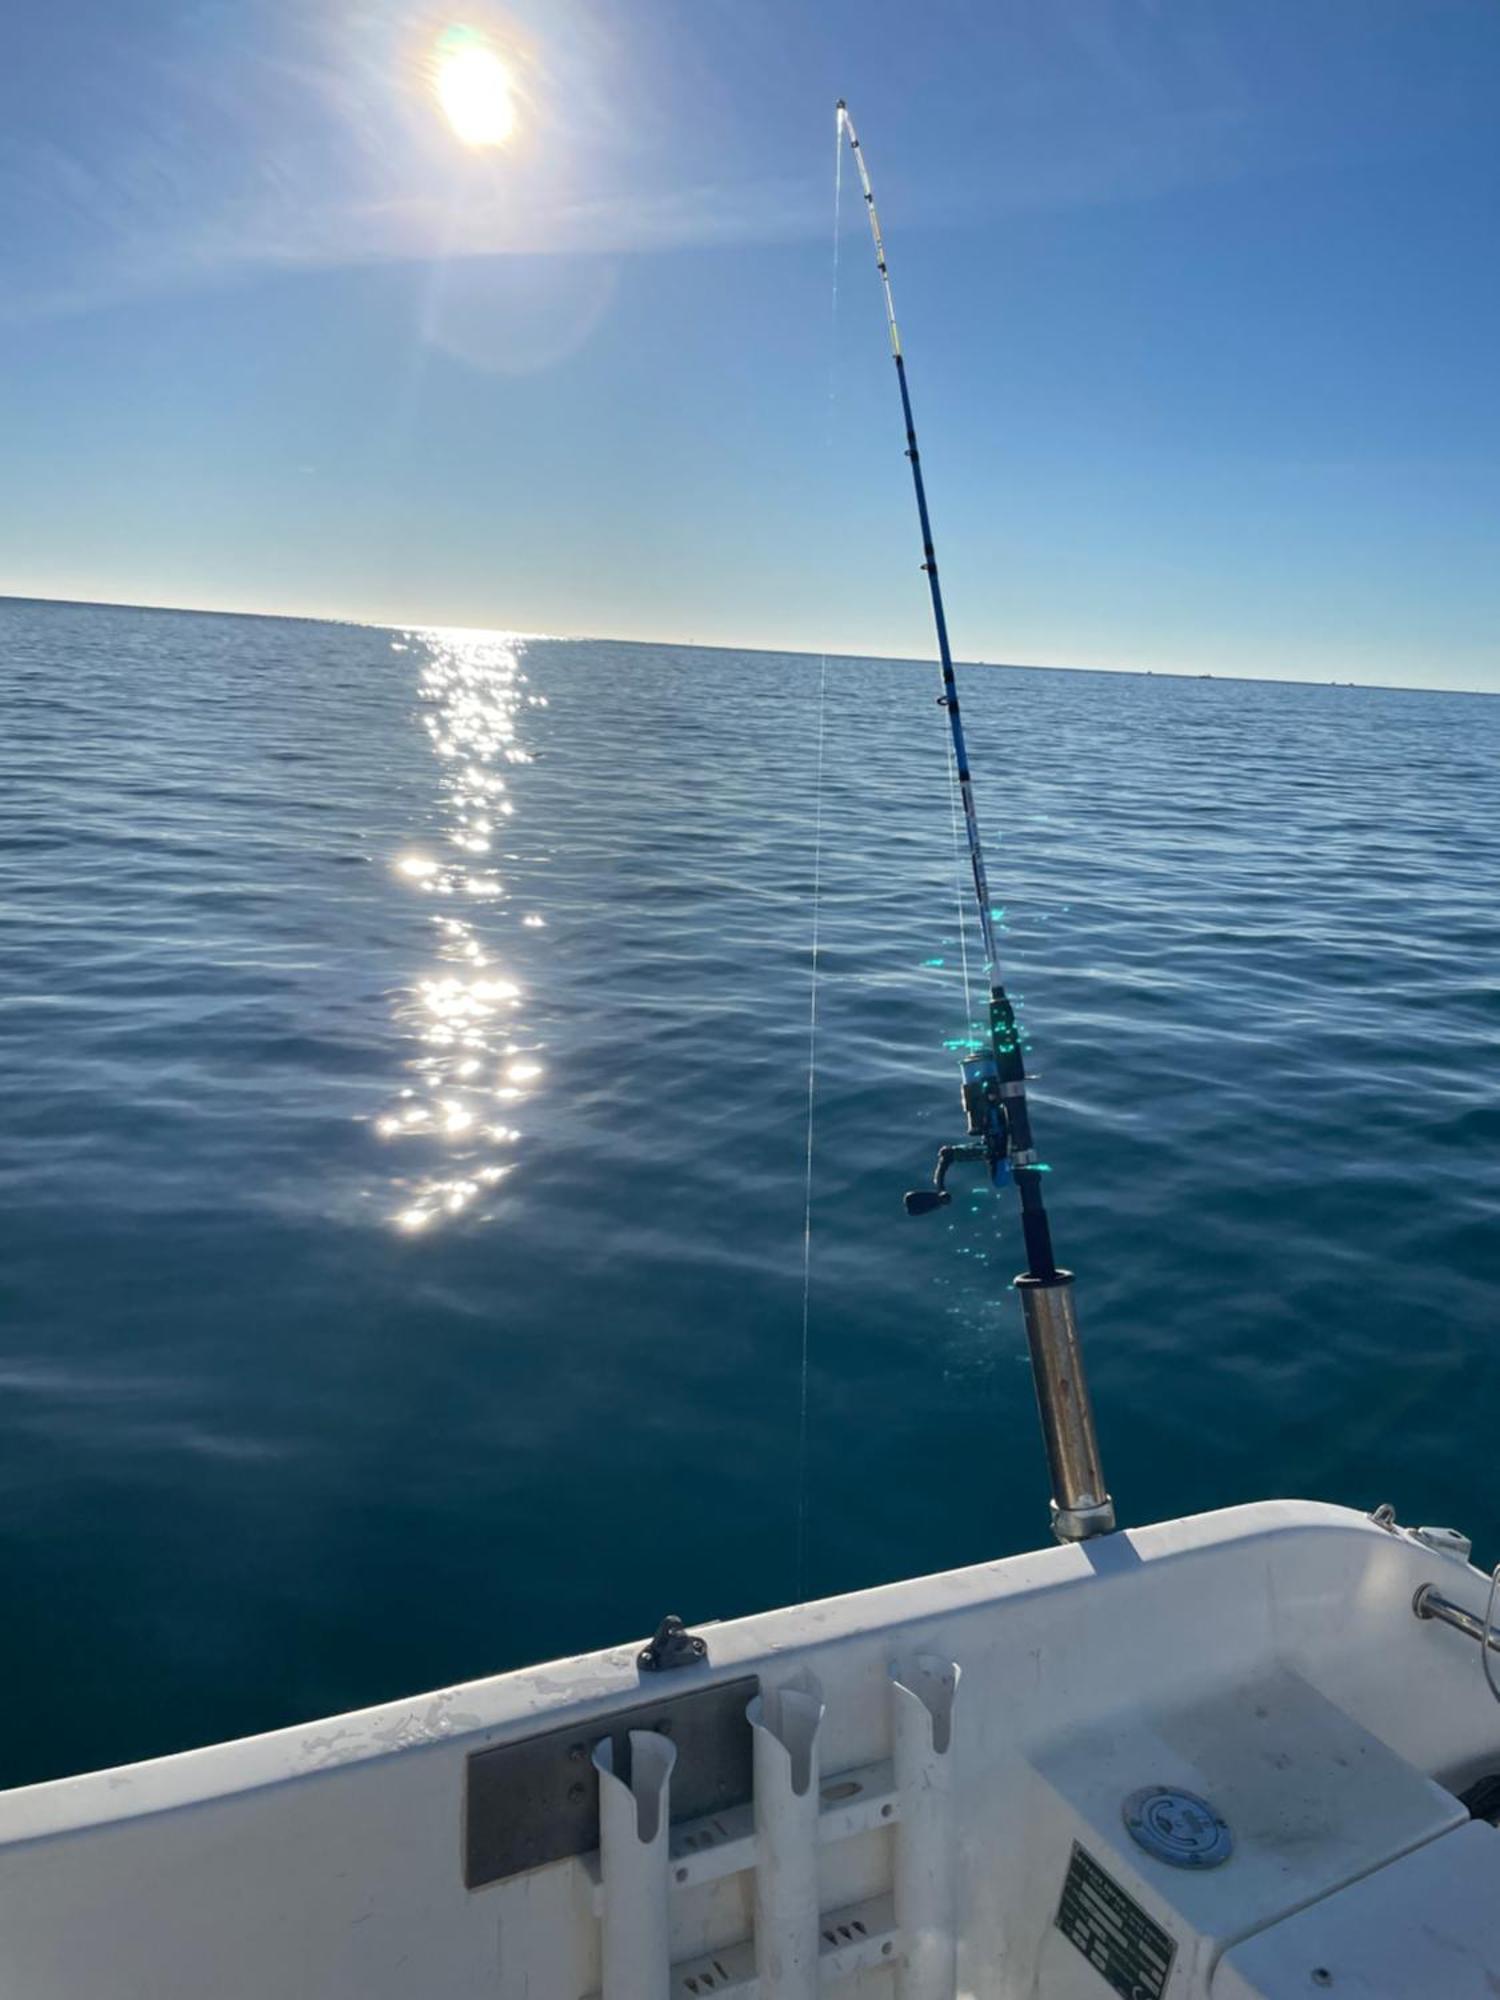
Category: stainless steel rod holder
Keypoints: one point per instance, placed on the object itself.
(1081, 1505)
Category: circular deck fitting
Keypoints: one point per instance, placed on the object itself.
(1178, 1827)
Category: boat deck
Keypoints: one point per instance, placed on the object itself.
(929, 1796)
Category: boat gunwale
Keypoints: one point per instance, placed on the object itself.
(475, 1715)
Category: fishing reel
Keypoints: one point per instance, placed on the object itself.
(988, 1140)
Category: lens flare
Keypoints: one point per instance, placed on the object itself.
(474, 88)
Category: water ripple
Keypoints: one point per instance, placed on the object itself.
(402, 1165)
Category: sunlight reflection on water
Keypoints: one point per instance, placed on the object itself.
(477, 1060)
(259, 1452)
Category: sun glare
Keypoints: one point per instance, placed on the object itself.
(474, 88)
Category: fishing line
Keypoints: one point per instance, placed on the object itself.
(813, 977)
(812, 1091)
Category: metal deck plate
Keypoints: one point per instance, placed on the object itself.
(537, 1800)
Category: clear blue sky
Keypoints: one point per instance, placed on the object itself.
(1201, 298)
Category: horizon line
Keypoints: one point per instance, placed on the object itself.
(718, 646)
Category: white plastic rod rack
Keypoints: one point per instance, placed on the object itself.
(798, 1949)
(924, 1694)
(784, 1723)
(633, 1821)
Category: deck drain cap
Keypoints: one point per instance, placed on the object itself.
(1178, 1827)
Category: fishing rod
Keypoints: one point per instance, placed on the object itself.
(994, 1078)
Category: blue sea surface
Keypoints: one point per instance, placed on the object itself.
(404, 1041)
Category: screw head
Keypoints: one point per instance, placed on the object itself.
(576, 1795)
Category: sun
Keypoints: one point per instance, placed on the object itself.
(474, 88)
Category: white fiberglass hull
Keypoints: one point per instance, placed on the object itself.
(931, 1760)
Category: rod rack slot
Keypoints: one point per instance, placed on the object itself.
(850, 1940)
(719, 1844)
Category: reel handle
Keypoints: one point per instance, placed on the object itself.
(922, 1201)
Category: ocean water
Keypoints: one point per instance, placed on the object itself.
(405, 1041)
